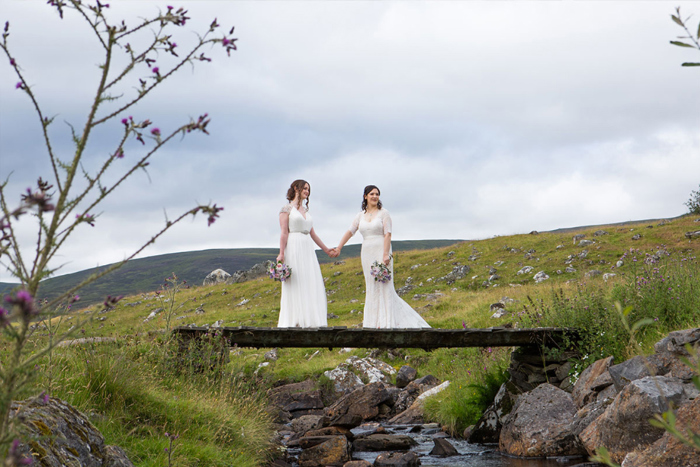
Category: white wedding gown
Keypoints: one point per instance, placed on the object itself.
(303, 302)
(383, 307)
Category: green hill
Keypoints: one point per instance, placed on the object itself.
(147, 274)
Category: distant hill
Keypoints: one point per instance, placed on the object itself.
(148, 274)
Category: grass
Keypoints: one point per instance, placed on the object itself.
(220, 415)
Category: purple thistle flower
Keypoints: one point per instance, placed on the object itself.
(19, 85)
(225, 41)
(12, 62)
(125, 121)
(4, 315)
(120, 154)
(156, 70)
(155, 131)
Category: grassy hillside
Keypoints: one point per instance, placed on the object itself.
(659, 280)
(147, 274)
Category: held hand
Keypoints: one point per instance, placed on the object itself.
(387, 259)
(280, 258)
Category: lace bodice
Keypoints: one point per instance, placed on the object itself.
(380, 225)
(297, 222)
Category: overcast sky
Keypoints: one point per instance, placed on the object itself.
(474, 118)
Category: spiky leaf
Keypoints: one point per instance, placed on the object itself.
(681, 44)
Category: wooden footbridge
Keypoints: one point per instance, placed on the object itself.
(341, 336)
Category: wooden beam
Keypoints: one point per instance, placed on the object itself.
(340, 336)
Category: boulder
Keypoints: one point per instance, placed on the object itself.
(397, 459)
(334, 451)
(383, 442)
(676, 341)
(540, 425)
(443, 448)
(540, 277)
(583, 392)
(297, 398)
(306, 423)
(660, 364)
(217, 276)
(344, 380)
(371, 370)
(357, 407)
(624, 426)
(332, 431)
(58, 434)
(405, 375)
(258, 270)
(414, 414)
(488, 428)
(668, 450)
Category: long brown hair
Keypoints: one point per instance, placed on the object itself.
(296, 187)
(369, 188)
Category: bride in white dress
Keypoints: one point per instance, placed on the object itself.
(303, 302)
(383, 307)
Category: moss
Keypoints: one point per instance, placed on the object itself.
(41, 426)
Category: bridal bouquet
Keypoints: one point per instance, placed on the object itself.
(280, 272)
(380, 272)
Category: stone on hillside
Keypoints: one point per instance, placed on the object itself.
(335, 451)
(624, 426)
(578, 237)
(258, 270)
(593, 273)
(525, 270)
(405, 375)
(570, 270)
(457, 273)
(397, 459)
(443, 448)
(272, 355)
(383, 442)
(586, 243)
(61, 435)
(636, 236)
(599, 233)
(540, 425)
(608, 275)
(217, 276)
(583, 393)
(540, 277)
(488, 427)
(668, 450)
(358, 406)
(691, 235)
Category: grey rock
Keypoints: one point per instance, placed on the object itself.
(540, 277)
(540, 425)
(383, 442)
(624, 426)
(405, 375)
(217, 276)
(525, 270)
(443, 448)
(578, 237)
(599, 233)
(676, 341)
(586, 243)
(61, 435)
(397, 459)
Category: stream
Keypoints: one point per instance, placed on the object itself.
(470, 455)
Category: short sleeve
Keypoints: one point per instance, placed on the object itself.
(386, 221)
(287, 208)
(355, 223)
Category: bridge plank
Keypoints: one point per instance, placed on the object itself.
(341, 336)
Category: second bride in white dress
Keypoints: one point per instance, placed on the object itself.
(383, 307)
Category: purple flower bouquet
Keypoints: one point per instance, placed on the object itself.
(380, 272)
(280, 272)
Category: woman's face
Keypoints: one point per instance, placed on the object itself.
(305, 192)
(372, 197)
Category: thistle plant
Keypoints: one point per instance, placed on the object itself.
(691, 39)
(68, 196)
